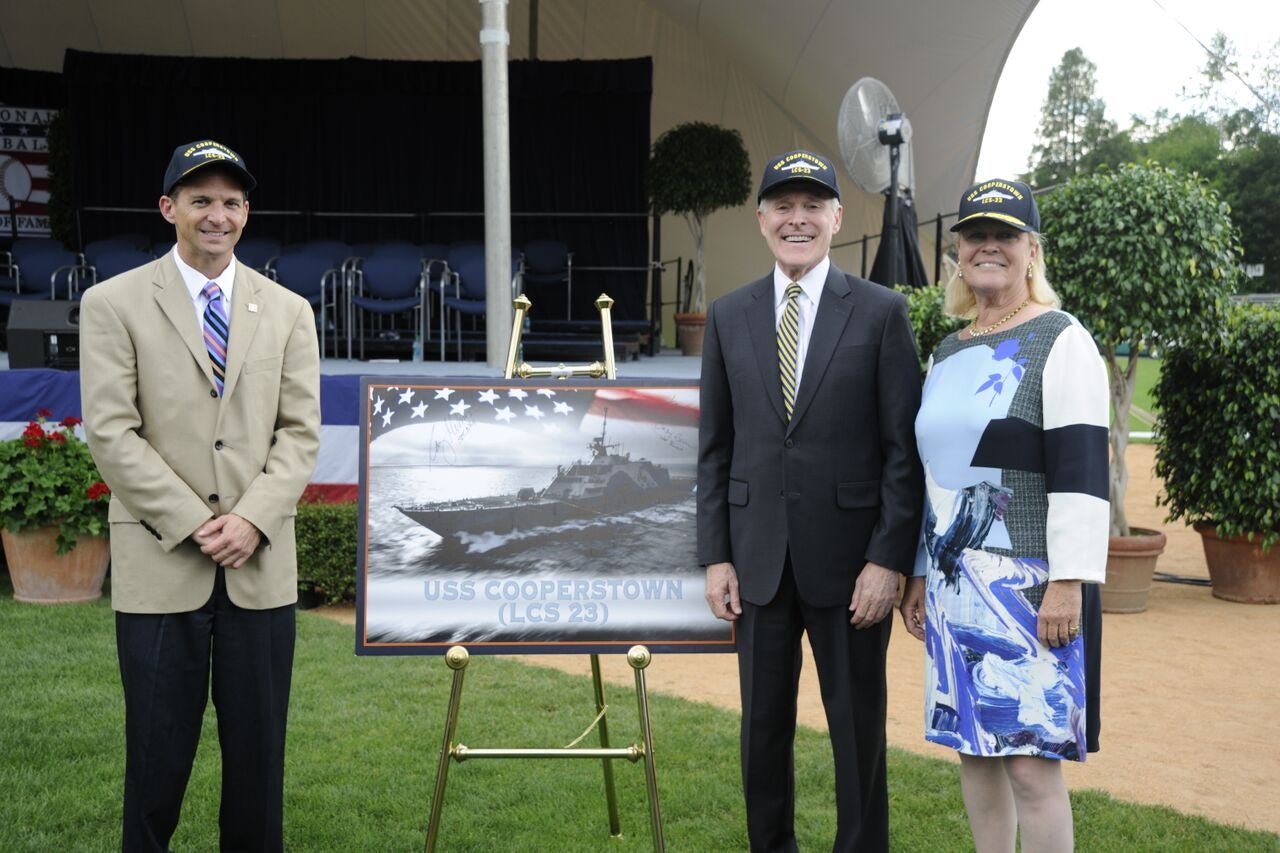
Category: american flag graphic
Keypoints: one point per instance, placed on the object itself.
(552, 408)
(24, 169)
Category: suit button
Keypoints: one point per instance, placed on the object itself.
(217, 445)
(213, 499)
(213, 392)
(789, 443)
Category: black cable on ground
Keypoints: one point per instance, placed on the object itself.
(1168, 578)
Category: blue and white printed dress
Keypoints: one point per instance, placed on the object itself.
(1012, 432)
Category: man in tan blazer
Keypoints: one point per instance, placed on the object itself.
(200, 388)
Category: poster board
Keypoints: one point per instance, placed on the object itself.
(522, 516)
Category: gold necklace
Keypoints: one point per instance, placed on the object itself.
(975, 332)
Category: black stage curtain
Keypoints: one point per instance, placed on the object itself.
(358, 135)
(40, 89)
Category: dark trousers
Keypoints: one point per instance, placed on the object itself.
(851, 674)
(165, 665)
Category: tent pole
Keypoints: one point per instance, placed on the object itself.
(494, 39)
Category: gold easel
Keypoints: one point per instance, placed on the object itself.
(638, 657)
(604, 304)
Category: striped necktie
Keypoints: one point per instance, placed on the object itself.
(216, 332)
(789, 347)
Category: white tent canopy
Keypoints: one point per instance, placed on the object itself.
(776, 71)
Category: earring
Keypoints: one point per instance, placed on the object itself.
(960, 273)
(1030, 268)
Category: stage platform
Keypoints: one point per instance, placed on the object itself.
(668, 364)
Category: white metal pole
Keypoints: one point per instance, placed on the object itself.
(494, 39)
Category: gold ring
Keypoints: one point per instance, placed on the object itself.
(1073, 630)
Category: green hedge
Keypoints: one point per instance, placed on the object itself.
(326, 535)
(1218, 440)
(924, 308)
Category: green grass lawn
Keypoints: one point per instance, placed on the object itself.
(1141, 416)
(364, 737)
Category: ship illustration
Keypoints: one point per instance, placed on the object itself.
(607, 483)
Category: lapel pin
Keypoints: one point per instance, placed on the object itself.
(253, 307)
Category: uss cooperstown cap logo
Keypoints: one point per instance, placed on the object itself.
(1010, 202)
(194, 155)
(799, 166)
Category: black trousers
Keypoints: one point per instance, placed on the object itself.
(165, 665)
(851, 674)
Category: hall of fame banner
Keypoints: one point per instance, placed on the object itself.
(518, 516)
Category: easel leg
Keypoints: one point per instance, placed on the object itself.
(456, 659)
(639, 657)
(611, 798)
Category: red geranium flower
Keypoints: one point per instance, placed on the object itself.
(50, 467)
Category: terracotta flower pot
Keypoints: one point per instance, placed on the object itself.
(1238, 568)
(690, 328)
(43, 576)
(1131, 562)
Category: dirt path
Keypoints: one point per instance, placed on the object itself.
(1188, 688)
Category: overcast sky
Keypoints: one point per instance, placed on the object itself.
(1145, 60)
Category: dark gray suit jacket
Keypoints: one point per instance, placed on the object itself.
(841, 484)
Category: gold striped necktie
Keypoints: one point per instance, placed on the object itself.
(789, 347)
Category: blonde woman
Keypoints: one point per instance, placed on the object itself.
(1012, 432)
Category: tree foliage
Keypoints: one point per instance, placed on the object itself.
(1072, 121)
(1140, 255)
(62, 207)
(1230, 137)
(1219, 448)
(695, 169)
(930, 324)
(1250, 180)
(1259, 112)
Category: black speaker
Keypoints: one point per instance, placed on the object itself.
(44, 334)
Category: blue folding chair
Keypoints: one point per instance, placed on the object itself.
(95, 249)
(549, 262)
(386, 286)
(312, 275)
(46, 274)
(259, 253)
(467, 273)
(110, 264)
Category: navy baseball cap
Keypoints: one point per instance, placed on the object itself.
(1010, 202)
(803, 168)
(195, 155)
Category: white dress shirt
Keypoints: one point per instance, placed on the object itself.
(811, 283)
(195, 282)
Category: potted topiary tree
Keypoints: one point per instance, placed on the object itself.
(696, 169)
(1139, 255)
(1219, 448)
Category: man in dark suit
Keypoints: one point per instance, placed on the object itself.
(200, 383)
(809, 499)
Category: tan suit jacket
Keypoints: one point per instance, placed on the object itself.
(176, 455)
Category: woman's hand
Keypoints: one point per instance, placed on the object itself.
(1059, 620)
(912, 607)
